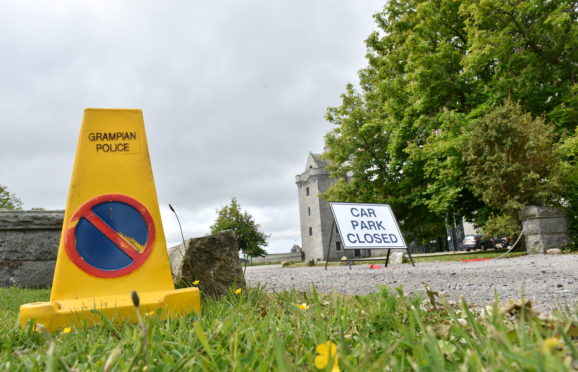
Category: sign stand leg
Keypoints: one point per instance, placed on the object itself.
(410, 258)
(387, 258)
(329, 245)
(408, 253)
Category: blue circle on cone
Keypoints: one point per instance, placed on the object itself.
(96, 248)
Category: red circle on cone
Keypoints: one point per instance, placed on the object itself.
(86, 212)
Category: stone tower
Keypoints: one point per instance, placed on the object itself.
(314, 213)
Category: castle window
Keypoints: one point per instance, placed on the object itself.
(307, 191)
(310, 231)
(337, 246)
(309, 211)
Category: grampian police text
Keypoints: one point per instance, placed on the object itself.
(109, 142)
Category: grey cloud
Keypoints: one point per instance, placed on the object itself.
(233, 95)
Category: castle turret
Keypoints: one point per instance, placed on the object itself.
(315, 214)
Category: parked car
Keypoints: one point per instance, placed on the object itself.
(477, 242)
(502, 242)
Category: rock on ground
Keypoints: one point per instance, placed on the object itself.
(212, 259)
(549, 281)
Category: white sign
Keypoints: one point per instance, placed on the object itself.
(367, 226)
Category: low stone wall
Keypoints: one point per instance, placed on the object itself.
(277, 257)
(28, 247)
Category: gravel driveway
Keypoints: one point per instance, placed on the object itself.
(549, 281)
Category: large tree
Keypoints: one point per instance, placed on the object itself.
(9, 200)
(434, 68)
(251, 239)
(413, 78)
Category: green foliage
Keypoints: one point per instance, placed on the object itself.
(403, 84)
(502, 225)
(435, 68)
(511, 160)
(569, 183)
(258, 331)
(9, 200)
(447, 188)
(526, 50)
(250, 238)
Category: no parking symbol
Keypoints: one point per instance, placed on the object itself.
(110, 236)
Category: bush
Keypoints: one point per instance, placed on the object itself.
(502, 225)
(569, 185)
(511, 159)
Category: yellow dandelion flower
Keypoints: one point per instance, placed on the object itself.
(196, 282)
(327, 354)
(150, 313)
(552, 344)
(67, 330)
(238, 291)
(302, 306)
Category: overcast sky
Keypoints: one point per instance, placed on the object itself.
(233, 94)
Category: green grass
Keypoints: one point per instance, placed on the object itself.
(258, 331)
(11, 299)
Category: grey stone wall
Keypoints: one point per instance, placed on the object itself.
(277, 257)
(544, 228)
(28, 247)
